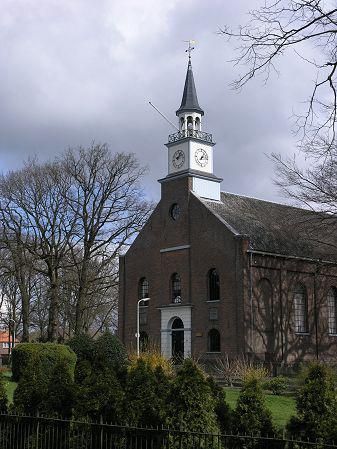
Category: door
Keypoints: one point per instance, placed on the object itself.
(177, 339)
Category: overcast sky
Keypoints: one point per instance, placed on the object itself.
(77, 71)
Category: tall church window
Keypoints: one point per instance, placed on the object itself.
(332, 312)
(300, 309)
(176, 288)
(143, 288)
(214, 340)
(213, 285)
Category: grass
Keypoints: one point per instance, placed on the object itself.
(9, 385)
(281, 407)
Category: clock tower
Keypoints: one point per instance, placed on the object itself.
(190, 150)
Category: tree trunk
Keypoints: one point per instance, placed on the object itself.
(54, 307)
(25, 314)
(81, 299)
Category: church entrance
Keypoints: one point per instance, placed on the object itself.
(177, 340)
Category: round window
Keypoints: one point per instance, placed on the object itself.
(175, 211)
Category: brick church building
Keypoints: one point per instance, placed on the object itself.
(227, 275)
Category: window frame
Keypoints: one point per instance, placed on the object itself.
(213, 284)
(141, 289)
(175, 291)
(213, 346)
(300, 308)
(332, 317)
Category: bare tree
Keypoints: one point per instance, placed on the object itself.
(33, 199)
(16, 262)
(63, 225)
(308, 28)
(110, 209)
(280, 26)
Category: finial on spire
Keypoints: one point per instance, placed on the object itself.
(190, 48)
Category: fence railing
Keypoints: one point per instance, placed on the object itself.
(27, 432)
(184, 133)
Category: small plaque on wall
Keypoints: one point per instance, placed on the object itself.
(198, 334)
(213, 314)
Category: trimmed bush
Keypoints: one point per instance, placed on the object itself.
(45, 375)
(61, 393)
(276, 385)
(42, 357)
(3, 396)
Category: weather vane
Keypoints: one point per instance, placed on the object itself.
(190, 48)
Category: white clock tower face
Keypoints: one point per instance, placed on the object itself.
(178, 159)
(201, 157)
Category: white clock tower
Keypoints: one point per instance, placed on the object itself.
(190, 150)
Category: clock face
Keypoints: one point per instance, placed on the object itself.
(178, 159)
(175, 211)
(201, 157)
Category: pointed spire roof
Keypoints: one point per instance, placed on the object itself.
(189, 101)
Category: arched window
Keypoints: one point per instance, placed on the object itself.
(332, 310)
(214, 340)
(182, 123)
(300, 309)
(213, 285)
(190, 125)
(197, 124)
(143, 288)
(176, 288)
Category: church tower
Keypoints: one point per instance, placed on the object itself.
(190, 150)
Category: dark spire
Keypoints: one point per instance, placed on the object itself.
(189, 101)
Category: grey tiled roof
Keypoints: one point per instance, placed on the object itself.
(277, 228)
(189, 101)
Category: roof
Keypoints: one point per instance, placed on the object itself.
(189, 101)
(4, 337)
(278, 228)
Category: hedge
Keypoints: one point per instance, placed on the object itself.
(43, 356)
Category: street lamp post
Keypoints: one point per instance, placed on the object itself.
(138, 334)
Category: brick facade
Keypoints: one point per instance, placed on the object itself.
(274, 270)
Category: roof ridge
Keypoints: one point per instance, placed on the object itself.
(269, 202)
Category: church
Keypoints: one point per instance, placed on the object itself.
(225, 275)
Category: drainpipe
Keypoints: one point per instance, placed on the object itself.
(251, 299)
(316, 313)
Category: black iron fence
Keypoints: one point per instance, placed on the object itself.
(26, 432)
(196, 134)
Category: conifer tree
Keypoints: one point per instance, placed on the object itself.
(145, 395)
(191, 402)
(316, 405)
(251, 415)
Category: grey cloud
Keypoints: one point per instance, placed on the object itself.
(74, 72)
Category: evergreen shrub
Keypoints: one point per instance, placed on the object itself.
(251, 415)
(110, 353)
(146, 395)
(316, 405)
(3, 396)
(276, 385)
(41, 357)
(191, 402)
